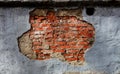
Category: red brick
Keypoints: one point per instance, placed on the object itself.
(32, 33)
(63, 47)
(38, 47)
(38, 29)
(91, 28)
(49, 29)
(40, 55)
(66, 28)
(49, 35)
(72, 50)
(85, 39)
(36, 50)
(31, 17)
(80, 54)
(82, 51)
(59, 50)
(35, 25)
(90, 35)
(44, 25)
(67, 35)
(68, 54)
(37, 43)
(71, 43)
(66, 25)
(53, 47)
(82, 59)
(77, 47)
(49, 43)
(47, 55)
(32, 21)
(61, 36)
(60, 43)
(36, 17)
(86, 46)
(83, 43)
(71, 25)
(71, 59)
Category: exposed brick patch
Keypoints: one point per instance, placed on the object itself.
(64, 37)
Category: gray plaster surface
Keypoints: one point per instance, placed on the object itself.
(104, 56)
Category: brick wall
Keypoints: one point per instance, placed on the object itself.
(64, 37)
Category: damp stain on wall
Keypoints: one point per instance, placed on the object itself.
(61, 34)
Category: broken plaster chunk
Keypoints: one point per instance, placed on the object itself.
(25, 45)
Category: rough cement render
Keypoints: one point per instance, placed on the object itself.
(103, 57)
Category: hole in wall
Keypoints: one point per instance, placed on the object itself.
(59, 34)
(90, 11)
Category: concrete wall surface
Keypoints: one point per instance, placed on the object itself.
(102, 58)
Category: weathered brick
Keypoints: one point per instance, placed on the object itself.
(53, 47)
(83, 43)
(59, 50)
(71, 43)
(60, 43)
(37, 43)
(71, 59)
(39, 29)
(82, 59)
(68, 54)
(36, 50)
(73, 50)
(38, 47)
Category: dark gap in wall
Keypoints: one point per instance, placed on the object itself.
(90, 11)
